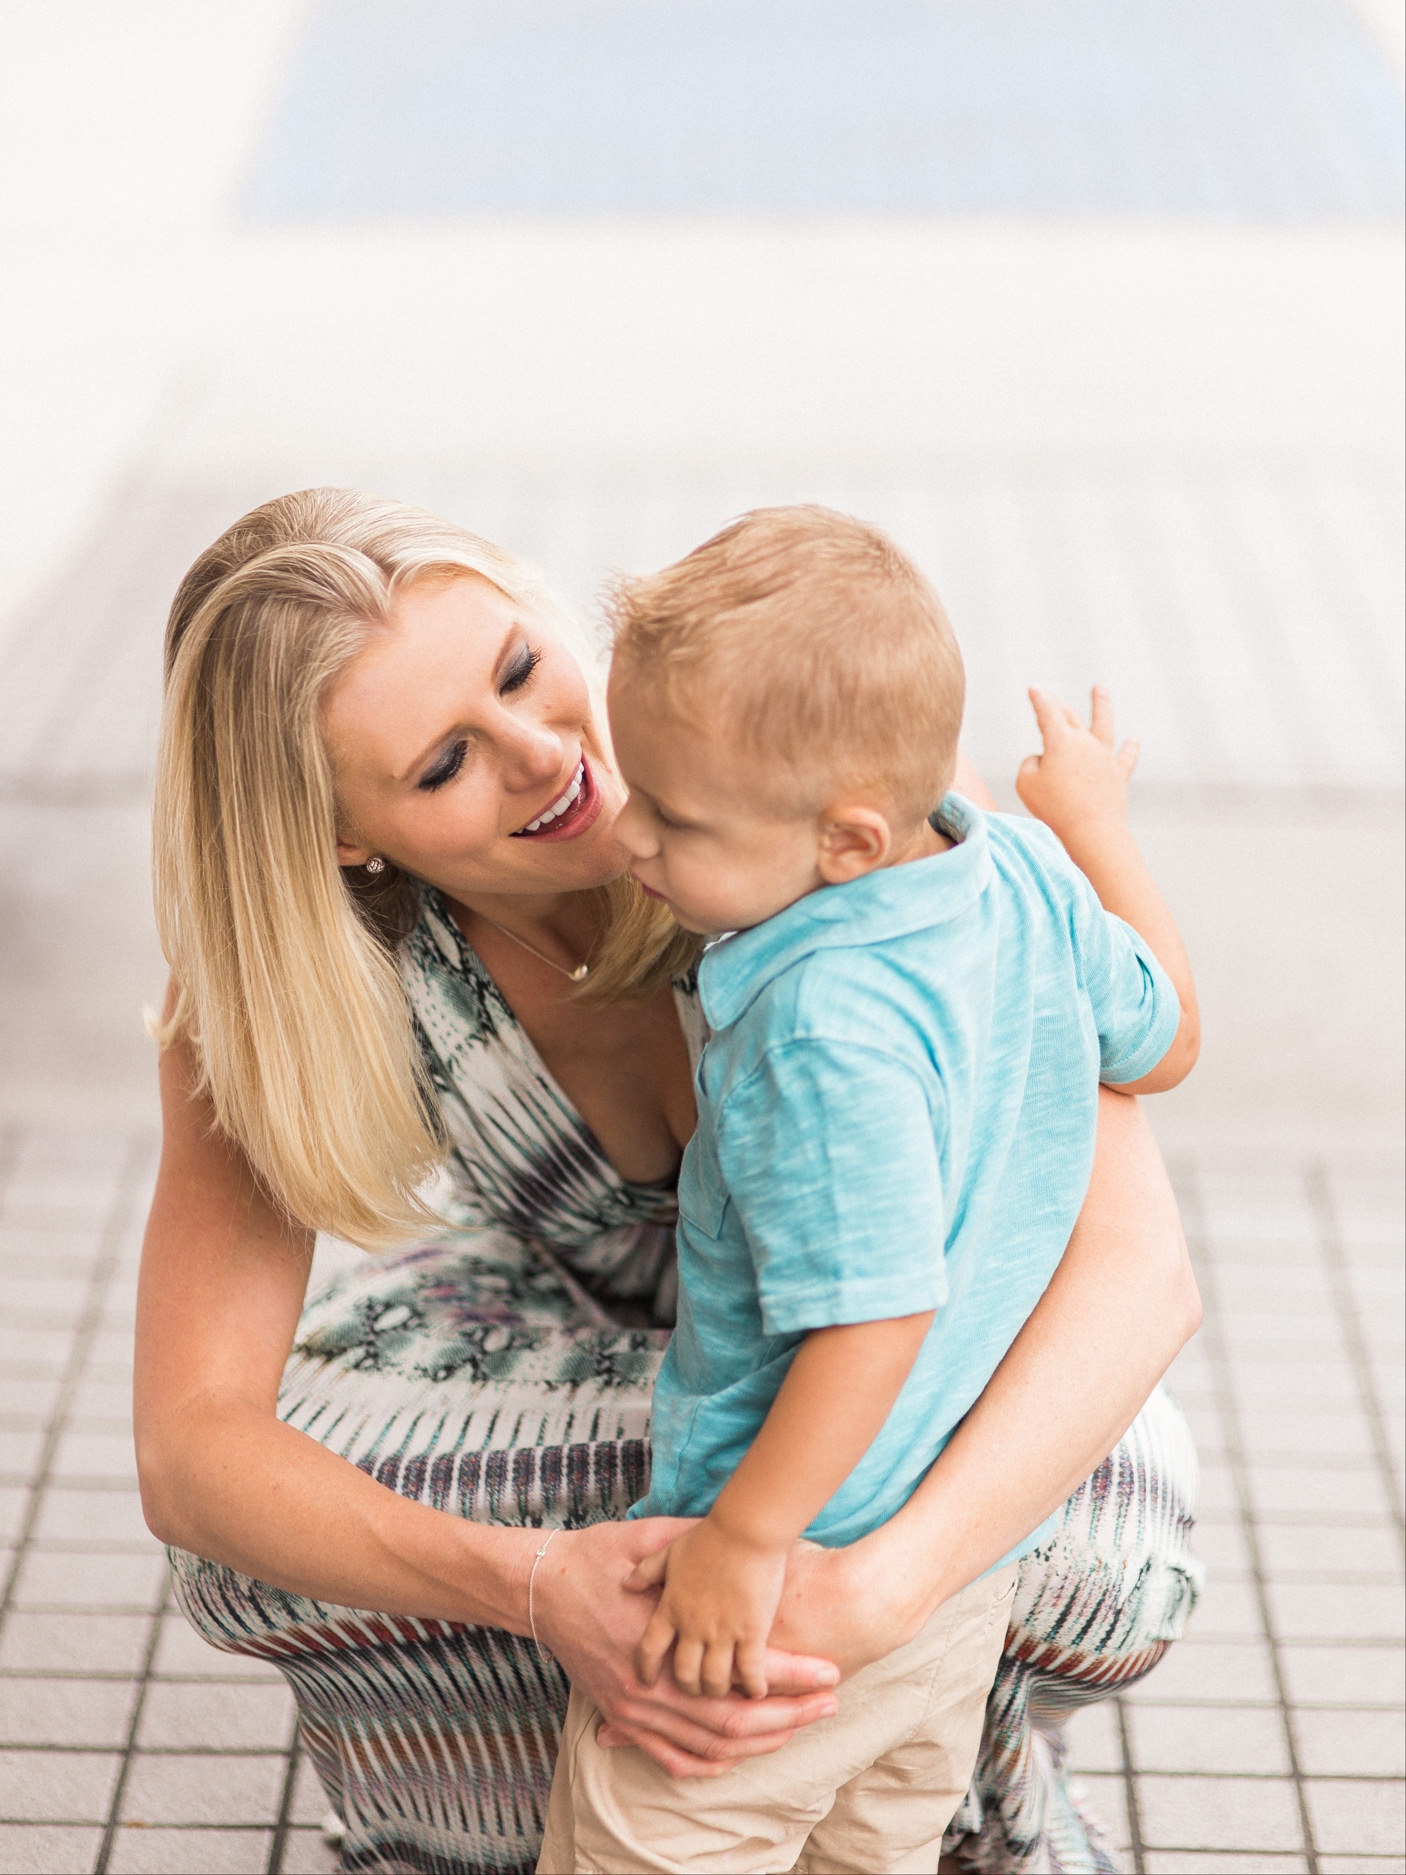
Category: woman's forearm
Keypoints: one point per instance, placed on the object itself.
(233, 1483)
(1121, 1304)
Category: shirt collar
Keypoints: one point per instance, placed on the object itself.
(885, 904)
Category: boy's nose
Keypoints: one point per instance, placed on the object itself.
(632, 831)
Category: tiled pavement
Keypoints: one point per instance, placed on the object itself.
(1270, 1740)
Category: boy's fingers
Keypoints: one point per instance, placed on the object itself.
(1048, 716)
(1127, 756)
(650, 1572)
(717, 1670)
(1101, 715)
(751, 1670)
(688, 1660)
(654, 1645)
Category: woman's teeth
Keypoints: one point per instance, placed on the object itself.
(560, 805)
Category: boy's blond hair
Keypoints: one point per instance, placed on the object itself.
(816, 641)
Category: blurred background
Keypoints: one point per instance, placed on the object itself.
(1096, 305)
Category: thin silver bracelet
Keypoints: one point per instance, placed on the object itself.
(531, 1580)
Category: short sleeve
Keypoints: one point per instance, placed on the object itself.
(829, 1151)
(1135, 1006)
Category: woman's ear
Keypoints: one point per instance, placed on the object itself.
(853, 840)
(349, 855)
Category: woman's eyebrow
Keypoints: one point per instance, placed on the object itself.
(433, 747)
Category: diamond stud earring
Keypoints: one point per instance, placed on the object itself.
(375, 863)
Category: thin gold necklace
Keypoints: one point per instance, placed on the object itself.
(578, 975)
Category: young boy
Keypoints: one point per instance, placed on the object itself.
(896, 1118)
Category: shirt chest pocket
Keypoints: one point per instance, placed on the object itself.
(703, 1199)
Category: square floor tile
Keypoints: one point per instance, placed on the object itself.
(1233, 1739)
(14, 1508)
(35, 1395)
(20, 1453)
(1227, 1609)
(1357, 1817)
(181, 1653)
(1362, 1865)
(65, 1712)
(194, 1788)
(190, 1852)
(56, 1786)
(1324, 1489)
(306, 1853)
(1219, 1813)
(1328, 1611)
(50, 1577)
(1107, 1797)
(1327, 1550)
(310, 1801)
(1220, 1545)
(74, 1643)
(1203, 1862)
(216, 1717)
(69, 1516)
(1094, 1739)
(1328, 1431)
(47, 1849)
(1351, 1744)
(96, 1455)
(1233, 1673)
(1343, 1676)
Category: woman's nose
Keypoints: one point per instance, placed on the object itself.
(532, 753)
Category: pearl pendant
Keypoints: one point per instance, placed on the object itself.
(580, 973)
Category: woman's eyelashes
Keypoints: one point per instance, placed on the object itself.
(521, 670)
(445, 769)
(453, 760)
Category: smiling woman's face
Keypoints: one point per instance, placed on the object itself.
(466, 749)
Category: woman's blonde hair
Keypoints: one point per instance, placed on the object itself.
(289, 991)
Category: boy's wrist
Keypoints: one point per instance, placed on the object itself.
(747, 1533)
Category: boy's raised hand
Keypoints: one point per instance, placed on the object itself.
(1079, 781)
(718, 1603)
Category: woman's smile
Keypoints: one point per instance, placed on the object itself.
(573, 811)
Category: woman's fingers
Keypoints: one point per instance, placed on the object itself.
(654, 1646)
(676, 1759)
(797, 1674)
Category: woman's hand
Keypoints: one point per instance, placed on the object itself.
(594, 1624)
(852, 1605)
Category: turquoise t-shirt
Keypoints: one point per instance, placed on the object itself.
(896, 1112)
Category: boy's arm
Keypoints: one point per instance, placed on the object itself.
(1079, 788)
(722, 1580)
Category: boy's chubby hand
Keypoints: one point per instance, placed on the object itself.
(718, 1603)
(1079, 783)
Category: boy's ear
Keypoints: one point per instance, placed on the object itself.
(853, 840)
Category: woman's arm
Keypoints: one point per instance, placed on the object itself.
(1121, 1304)
(222, 1284)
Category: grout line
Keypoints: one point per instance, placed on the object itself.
(283, 1823)
(102, 1269)
(119, 1789)
(1130, 1788)
(1330, 1233)
(1189, 1201)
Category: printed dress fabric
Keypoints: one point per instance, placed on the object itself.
(504, 1374)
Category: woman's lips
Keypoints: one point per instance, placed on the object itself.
(578, 817)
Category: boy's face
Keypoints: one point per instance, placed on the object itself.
(703, 831)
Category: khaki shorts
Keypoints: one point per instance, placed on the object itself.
(870, 1790)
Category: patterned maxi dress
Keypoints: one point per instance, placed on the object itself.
(504, 1374)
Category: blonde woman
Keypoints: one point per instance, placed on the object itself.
(402, 945)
